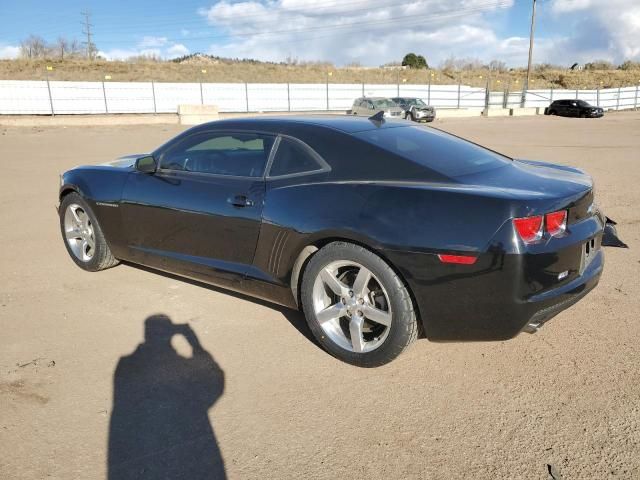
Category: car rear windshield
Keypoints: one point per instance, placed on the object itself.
(436, 150)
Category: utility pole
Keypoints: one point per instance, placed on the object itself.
(533, 25)
(87, 32)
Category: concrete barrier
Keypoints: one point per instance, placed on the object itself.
(524, 112)
(196, 114)
(497, 112)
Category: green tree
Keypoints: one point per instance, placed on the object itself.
(412, 60)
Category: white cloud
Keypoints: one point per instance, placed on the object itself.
(371, 33)
(171, 51)
(9, 51)
(177, 50)
(118, 54)
(152, 42)
(564, 6)
(598, 30)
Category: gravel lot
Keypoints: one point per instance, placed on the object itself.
(277, 405)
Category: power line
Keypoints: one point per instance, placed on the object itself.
(370, 5)
(407, 19)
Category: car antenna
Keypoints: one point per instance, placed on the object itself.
(377, 118)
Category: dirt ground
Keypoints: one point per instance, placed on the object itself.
(258, 399)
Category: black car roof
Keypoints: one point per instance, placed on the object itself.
(344, 123)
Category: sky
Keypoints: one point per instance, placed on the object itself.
(368, 32)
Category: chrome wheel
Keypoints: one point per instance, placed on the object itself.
(352, 306)
(78, 232)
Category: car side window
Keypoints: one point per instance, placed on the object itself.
(293, 157)
(220, 153)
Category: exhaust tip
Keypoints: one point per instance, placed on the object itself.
(532, 327)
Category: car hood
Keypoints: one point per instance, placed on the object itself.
(422, 109)
(127, 161)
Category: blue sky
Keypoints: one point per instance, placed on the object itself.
(370, 32)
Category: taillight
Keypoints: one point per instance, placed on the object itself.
(529, 228)
(556, 222)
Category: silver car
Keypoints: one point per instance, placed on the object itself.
(368, 106)
(415, 109)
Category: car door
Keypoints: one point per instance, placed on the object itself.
(360, 107)
(573, 110)
(199, 214)
(355, 110)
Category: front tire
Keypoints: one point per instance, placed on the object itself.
(408, 116)
(357, 307)
(83, 236)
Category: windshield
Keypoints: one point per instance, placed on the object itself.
(418, 103)
(439, 151)
(383, 103)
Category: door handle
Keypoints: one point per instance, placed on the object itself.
(240, 201)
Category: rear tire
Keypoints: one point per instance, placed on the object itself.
(82, 235)
(357, 307)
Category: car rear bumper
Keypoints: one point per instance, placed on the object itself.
(547, 306)
(502, 294)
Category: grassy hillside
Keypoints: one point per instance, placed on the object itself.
(245, 71)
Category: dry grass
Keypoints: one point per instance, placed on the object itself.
(80, 70)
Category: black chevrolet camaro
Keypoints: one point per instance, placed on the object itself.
(380, 231)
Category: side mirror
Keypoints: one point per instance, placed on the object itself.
(146, 164)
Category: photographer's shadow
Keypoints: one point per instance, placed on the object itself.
(159, 422)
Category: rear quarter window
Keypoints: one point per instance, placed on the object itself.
(443, 153)
(294, 158)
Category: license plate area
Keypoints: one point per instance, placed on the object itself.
(589, 250)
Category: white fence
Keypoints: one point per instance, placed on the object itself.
(52, 97)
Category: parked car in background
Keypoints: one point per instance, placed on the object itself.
(573, 108)
(416, 109)
(378, 230)
(369, 106)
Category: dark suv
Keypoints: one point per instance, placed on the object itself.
(573, 108)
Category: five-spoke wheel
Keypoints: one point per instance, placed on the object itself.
(352, 306)
(78, 232)
(356, 305)
(82, 235)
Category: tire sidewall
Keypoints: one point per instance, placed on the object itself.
(94, 263)
(399, 335)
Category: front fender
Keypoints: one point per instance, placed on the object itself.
(101, 188)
